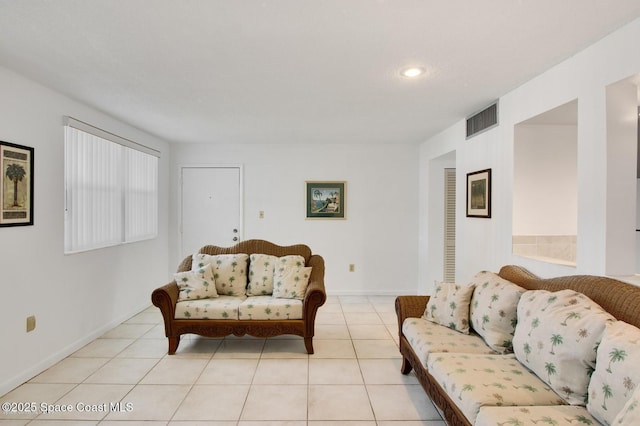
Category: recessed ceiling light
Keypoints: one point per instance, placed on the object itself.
(412, 72)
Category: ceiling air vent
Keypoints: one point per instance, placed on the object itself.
(483, 120)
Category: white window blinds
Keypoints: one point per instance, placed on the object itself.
(140, 195)
(111, 189)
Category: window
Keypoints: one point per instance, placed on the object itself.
(111, 189)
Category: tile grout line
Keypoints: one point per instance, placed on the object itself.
(263, 356)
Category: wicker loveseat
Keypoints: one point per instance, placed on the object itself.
(608, 400)
(234, 316)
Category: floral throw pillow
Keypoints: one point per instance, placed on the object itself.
(291, 277)
(261, 270)
(616, 374)
(197, 284)
(493, 310)
(630, 413)
(556, 337)
(229, 271)
(449, 306)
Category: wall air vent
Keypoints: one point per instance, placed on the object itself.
(483, 120)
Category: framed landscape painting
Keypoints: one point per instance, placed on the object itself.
(479, 194)
(325, 199)
(16, 194)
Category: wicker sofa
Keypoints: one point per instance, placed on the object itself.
(461, 359)
(220, 323)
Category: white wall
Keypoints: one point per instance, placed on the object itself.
(622, 154)
(638, 226)
(545, 180)
(486, 243)
(78, 297)
(379, 235)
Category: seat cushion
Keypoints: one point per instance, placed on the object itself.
(222, 307)
(536, 415)
(269, 308)
(474, 381)
(426, 337)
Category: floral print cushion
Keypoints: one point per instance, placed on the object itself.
(556, 337)
(474, 381)
(291, 277)
(426, 337)
(197, 284)
(222, 307)
(229, 270)
(617, 372)
(630, 413)
(493, 310)
(261, 269)
(449, 306)
(556, 415)
(270, 308)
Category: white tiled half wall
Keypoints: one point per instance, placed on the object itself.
(552, 248)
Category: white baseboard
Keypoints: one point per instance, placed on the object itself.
(52, 359)
(366, 293)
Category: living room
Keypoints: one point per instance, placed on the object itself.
(392, 233)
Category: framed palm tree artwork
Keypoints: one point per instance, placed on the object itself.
(326, 199)
(16, 193)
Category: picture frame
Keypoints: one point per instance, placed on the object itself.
(16, 191)
(326, 199)
(479, 194)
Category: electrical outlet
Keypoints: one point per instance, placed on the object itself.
(352, 267)
(261, 214)
(31, 323)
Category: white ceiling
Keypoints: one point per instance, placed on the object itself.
(304, 71)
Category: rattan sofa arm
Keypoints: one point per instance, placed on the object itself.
(185, 265)
(410, 307)
(165, 298)
(316, 294)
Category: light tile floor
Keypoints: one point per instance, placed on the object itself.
(352, 379)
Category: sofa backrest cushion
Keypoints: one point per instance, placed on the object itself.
(630, 413)
(449, 306)
(616, 373)
(493, 310)
(619, 298)
(290, 278)
(197, 284)
(556, 337)
(229, 271)
(261, 268)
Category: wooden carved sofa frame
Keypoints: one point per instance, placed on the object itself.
(620, 299)
(166, 297)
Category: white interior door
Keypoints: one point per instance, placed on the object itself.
(211, 207)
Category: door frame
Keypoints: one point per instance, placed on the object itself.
(211, 166)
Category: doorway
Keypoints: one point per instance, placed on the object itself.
(211, 207)
(440, 256)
